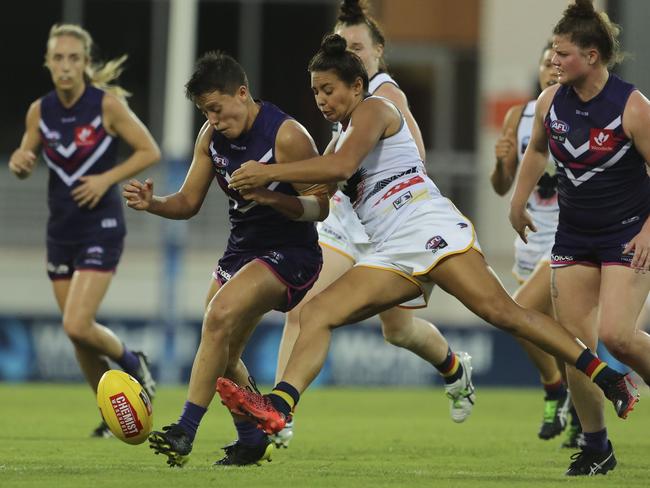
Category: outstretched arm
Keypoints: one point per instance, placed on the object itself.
(369, 122)
(187, 201)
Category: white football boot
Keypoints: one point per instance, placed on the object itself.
(282, 438)
(461, 392)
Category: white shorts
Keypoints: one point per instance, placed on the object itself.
(538, 249)
(342, 230)
(434, 231)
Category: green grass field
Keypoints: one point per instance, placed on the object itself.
(344, 438)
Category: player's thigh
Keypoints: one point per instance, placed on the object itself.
(87, 290)
(395, 318)
(61, 289)
(250, 293)
(335, 264)
(359, 294)
(575, 290)
(623, 293)
(213, 288)
(535, 292)
(468, 277)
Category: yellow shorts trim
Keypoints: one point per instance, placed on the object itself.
(335, 249)
(400, 273)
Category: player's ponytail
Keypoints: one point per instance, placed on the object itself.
(334, 56)
(97, 74)
(588, 28)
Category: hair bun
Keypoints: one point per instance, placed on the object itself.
(582, 9)
(333, 45)
(352, 12)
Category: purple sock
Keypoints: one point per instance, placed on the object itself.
(191, 418)
(596, 441)
(129, 362)
(248, 433)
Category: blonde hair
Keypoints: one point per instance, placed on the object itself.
(99, 75)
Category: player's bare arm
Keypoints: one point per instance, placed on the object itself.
(23, 159)
(119, 121)
(636, 123)
(533, 165)
(505, 152)
(371, 120)
(187, 201)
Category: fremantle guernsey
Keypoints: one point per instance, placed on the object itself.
(256, 226)
(75, 144)
(602, 181)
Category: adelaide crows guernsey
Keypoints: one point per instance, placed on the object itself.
(75, 143)
(256, 226)
(602, 181)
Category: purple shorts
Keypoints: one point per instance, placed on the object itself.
(296, 267)
(64, 259)
(593, 249)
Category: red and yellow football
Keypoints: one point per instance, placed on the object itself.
(125, 406)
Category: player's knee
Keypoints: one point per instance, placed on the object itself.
(76, 329)
(292, 321)
(617, 343)
(219, 320)
(503, 314)
(397, 334)
(314, 315)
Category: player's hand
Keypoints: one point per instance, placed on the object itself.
(640, 247)
(261, 195)
(521, 220)
(250, 175)
(138, 195)
(21, 163)
(91, 190)
(505, 148)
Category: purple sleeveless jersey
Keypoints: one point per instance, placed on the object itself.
(76, 144)
(602, 181)
(288, 248)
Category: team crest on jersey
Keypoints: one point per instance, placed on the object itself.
(85, 135)
(435, 244)
(559, 130)
(601, 140)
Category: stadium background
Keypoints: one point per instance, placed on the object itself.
(462, 63)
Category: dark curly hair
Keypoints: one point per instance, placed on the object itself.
(587, 28)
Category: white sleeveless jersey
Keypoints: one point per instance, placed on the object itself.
(390, 183)
(539, 201)
(342, 221)
(542, 205)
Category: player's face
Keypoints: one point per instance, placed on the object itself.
(66, 60)
(360, 43)
(334, 97)
(547, 72)
(226, 113)
(571, 62)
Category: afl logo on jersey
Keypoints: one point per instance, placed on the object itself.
(53, 139)
(559, 130)
(85, 135)
(436, 243)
